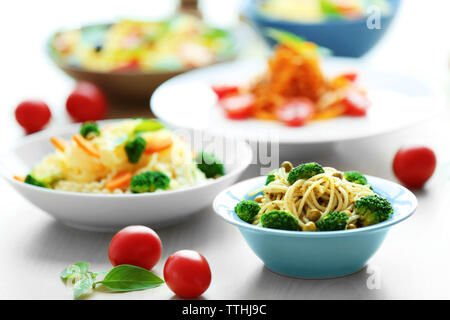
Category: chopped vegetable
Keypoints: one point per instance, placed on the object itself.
(149, 181)
(158, 145)
(134, 149)
(277, 219)
(148, 125)
(295, 112)
(270, 178)
(29, 179)
(247, 210)
(89, 130)
(60, 144)
(210, 165)
(19, 178)
(333, 221)
(237, 107)
(120, 181)
(86, 146)
(304, 171)
(223, 91)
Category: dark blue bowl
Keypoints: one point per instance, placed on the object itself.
(348, 38)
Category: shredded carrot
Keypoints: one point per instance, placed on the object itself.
(120, 181)
(86, 146)
(19, 178)
(60, 144)
(158, 145)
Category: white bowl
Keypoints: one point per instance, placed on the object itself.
(398, 100)
(109, 212)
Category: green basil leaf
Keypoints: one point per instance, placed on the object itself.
(75, 270)
(148, 125)
(96, 274)
(82, 287)
(130, 278)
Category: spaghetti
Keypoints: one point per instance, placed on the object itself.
(311, 200)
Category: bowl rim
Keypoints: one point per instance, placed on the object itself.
(251, 12)
(245, 161)
(219, 209)
(173, 72)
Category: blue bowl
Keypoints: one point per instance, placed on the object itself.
(315, 255)
(348, 38)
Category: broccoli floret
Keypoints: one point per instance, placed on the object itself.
(149, 181)
(355, 177)
(31, 180)
(277, 219)
(210, 165)
(373, 209)
(89, 129)
(247, 210)
(333, 221)
(304, 171)
(134, 149)
(270, 178)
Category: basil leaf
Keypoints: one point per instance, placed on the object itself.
(130, 278)
(148, 125)
(75, 270)
(82, 287)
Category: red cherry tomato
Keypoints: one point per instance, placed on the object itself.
(32, 115)
(295, 112)
(136, 245)
(238, 107)
(413, 166)
(350, 76)
(223, 91)
(187, 273)
(86, 103)
(356, 103)
(133, 65)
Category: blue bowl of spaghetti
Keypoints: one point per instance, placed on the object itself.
(344, 37)
(315, 255)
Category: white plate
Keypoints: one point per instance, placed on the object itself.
(109, 212)
(398, 101)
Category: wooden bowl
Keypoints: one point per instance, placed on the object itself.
(129, 86)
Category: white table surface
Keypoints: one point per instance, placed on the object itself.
(412, 263)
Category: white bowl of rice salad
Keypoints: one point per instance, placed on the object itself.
(106, 175)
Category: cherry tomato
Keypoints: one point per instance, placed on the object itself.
(238, 106)
(295, 112)
(86, 103)
(33, 115)
(136, 245)
(413, 166)
(356, 103)
(187, 273)
(350, 76)
(133, 65)
(223, 91)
